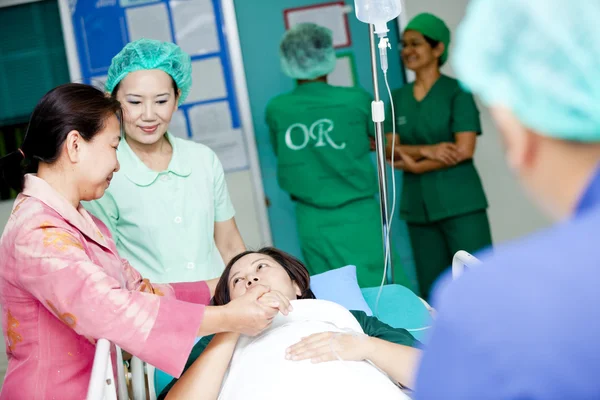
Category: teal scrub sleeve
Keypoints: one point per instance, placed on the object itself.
(106, 210)
(223, 206)
(465, 115)
(195, 353)
(375, 328)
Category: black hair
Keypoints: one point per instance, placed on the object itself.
(294, 268)
(66, 108)
(433, 43)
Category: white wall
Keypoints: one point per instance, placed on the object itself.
(246, 215)
(511, 213)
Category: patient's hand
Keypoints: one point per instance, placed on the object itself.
(320, 347)
(275, 299)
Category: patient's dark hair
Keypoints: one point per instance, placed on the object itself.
(294, 268)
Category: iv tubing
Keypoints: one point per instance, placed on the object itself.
(391, 217)
(381, 167)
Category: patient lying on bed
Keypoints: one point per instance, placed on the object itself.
(314, 349)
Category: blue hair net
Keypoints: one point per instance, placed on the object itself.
(539, 58)
(307, 52)
(146, 54)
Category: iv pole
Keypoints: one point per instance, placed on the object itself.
(381, 169)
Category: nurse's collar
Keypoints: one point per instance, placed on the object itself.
(138, 173)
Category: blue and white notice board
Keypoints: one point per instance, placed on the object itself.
(210, 114)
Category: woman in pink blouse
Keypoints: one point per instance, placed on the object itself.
(62, 283)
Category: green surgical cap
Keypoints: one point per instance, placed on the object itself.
(539, 58)
(147, 54)
(434, 28)
(307, 52)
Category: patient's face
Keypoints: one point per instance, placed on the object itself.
(258, 269)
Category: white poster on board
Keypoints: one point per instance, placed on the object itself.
(343, 74)
(193, 20)
(208, 80)
(150, 22)
(211, 125)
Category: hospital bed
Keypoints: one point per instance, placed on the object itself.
(147, 382)
(102, 382)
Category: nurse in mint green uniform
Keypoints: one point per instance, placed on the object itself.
(320, 134)
(443, 200)
(168, 208)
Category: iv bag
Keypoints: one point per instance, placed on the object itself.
(378, 13)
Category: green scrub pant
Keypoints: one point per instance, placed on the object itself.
(349, 235)
(434, 244)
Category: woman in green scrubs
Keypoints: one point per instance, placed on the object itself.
(320, 135)
(437, 124)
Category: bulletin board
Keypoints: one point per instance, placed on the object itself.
(210, 114)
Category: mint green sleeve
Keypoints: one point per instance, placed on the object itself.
(223, 206)
(106, 210)
(465, 115)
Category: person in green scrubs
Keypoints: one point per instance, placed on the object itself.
(320, 135)
(168, 208)
(437, 124)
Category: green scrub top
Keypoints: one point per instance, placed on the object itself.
(320, 134)
(371, 326)
(446, 110)
(163, 222)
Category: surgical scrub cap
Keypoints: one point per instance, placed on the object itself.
(306, 52)
(434, 28)
(539, 58)
(147, 54)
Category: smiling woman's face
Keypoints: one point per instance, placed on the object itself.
(258, 269)
(149, 100)
(417, 53)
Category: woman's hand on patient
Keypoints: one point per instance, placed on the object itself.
(247, 314)
(322, 347)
